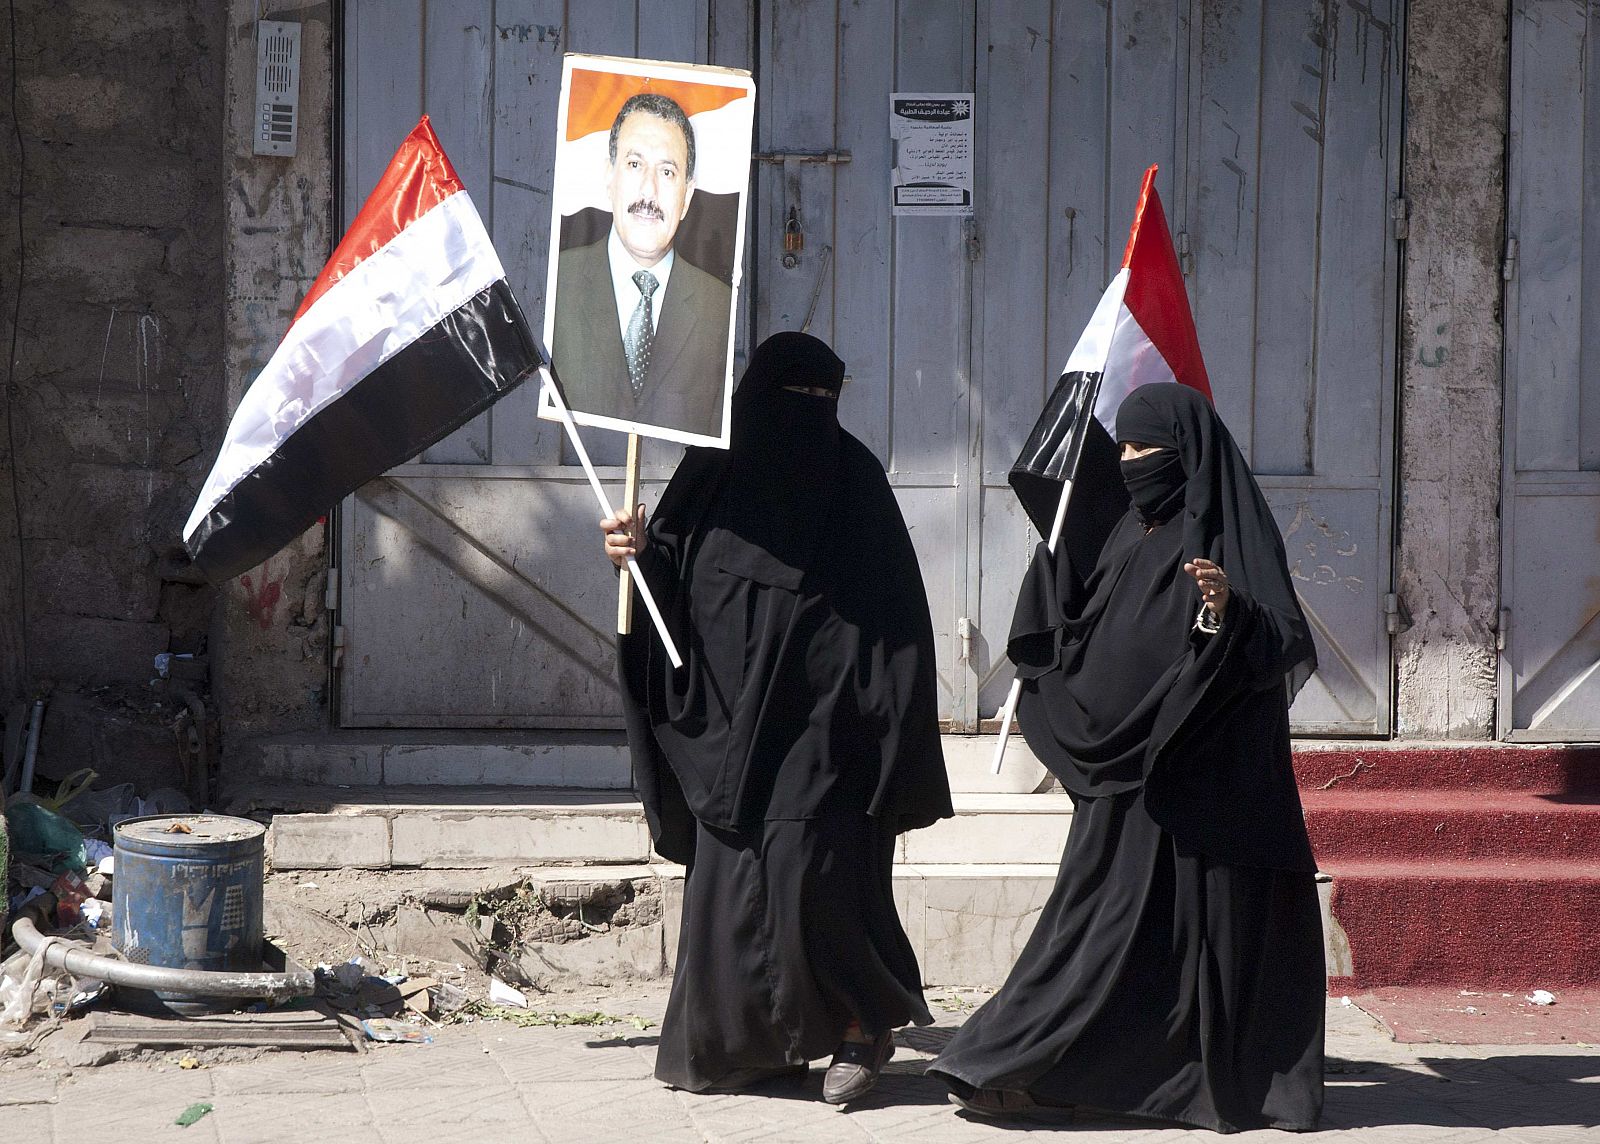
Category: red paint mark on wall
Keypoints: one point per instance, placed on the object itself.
(260, 604)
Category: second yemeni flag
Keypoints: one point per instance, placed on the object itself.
(1141, 332)
(1067, 476)
(408, 333)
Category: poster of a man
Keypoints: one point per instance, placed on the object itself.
(652, 161)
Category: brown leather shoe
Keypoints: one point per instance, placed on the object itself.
(855, 1068)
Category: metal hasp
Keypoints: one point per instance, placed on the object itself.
(794, 232)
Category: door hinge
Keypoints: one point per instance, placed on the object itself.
(1502, 628)
(974, 243)
(1400, 215)
(1396, 616)
(964, 628)
(338, 645)
(1185, 258)
(1509, 266)
(330, 591)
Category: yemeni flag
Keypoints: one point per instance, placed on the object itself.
(409, 332)
(1141, 332)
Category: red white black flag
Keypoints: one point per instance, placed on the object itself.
(409, 332)
(1067, 476)
(1141, 332)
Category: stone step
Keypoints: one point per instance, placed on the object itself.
(323, 827)
(592, 760)
(967, 922)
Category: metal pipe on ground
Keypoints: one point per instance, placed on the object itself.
(76, 959)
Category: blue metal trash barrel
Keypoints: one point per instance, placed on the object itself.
(186, 894)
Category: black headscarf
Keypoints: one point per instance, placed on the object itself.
(1225, 517)
(790, 581)
(1122, 691)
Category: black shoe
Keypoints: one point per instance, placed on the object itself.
(855, 1068)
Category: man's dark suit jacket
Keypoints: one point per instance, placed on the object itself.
(688, 360)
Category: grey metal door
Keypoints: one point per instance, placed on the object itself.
(1081, 97)
(471, 590)
(893, 295)
(1550, 509)
(1276, 126)
(466, 598)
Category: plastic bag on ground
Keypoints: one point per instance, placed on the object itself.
(25, 989)
(103, 807)
(39, 830)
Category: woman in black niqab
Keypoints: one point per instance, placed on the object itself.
(797, 741)
(1176, 971)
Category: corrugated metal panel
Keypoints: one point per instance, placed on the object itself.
(1294, 162)
(1549, 684)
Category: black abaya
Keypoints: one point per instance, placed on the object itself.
(1176, 971)
(1160, 983)
(797, 741)
(789, 931)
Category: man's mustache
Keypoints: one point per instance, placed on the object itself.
(648, 208)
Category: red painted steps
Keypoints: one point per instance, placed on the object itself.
(1558, 769)
(1450, 824)
(1466, 866)
(1513, 925)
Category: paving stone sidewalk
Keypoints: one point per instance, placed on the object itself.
(492, 1081)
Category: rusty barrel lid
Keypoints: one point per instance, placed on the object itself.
(190, 836)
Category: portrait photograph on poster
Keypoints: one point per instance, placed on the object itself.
(646, 247)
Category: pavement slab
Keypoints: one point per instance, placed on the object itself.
(490, 1082)
(21, 1089)
(260, 1118)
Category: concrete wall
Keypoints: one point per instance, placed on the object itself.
(115, 385)
(1452, 338)
(271, 628)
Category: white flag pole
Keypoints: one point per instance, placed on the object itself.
(1009, 711)
(560, 403)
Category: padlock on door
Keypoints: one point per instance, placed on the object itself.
(794, 240)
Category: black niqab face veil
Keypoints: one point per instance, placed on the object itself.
(784, 458)
(1156, 484)
(1224, 517)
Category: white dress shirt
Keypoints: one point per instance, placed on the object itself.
(623, 268)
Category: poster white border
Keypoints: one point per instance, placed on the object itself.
(563, 195)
